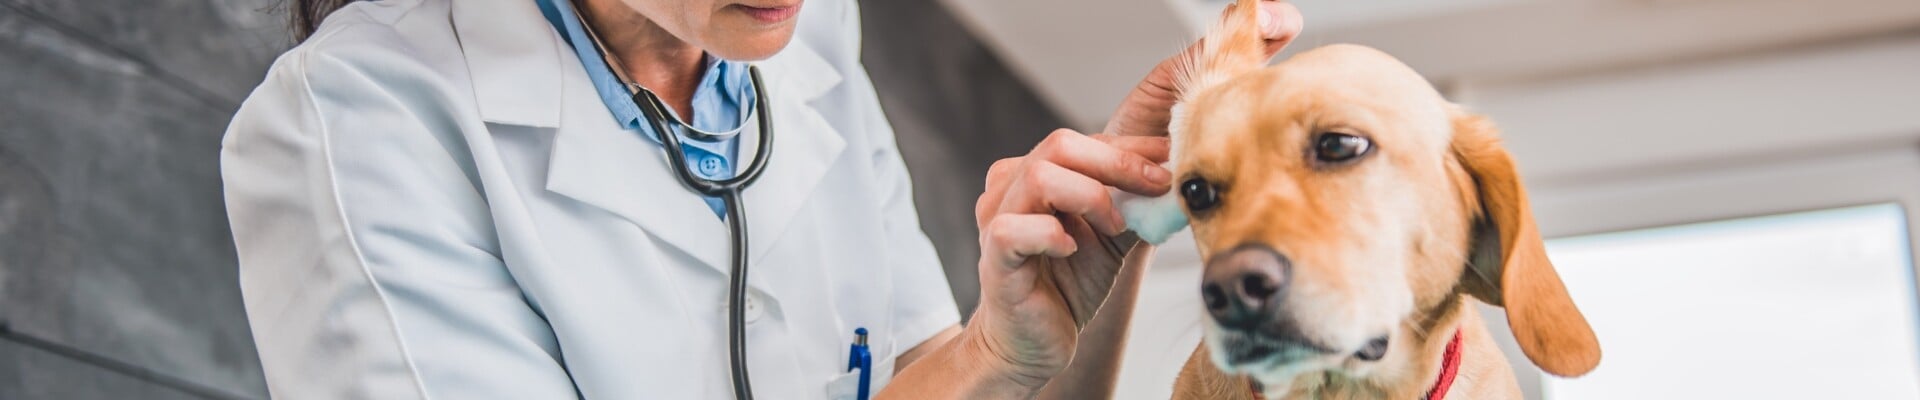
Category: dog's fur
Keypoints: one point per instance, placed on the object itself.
(1393, 243)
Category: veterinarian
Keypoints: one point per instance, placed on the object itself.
(502, 199)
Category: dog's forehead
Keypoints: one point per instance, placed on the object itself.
(1329, 84)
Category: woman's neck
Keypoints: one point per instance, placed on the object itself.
(647, 53)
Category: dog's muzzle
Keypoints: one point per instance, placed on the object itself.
(1245, 291)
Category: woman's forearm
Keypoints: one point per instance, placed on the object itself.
(963, 368)
(967, 367)
(1097, 358)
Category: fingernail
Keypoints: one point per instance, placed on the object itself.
(1157, 176)
(1266, 20)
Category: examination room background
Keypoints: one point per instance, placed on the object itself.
(117, 274)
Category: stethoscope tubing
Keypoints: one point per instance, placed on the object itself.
(656, 112)
(729, 191)
(736, 305)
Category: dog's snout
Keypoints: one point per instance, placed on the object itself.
(1241, 286)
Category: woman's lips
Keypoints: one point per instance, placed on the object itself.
(770, 14)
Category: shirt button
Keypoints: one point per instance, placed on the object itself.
(711, 166)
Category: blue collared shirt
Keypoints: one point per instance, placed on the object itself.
(725, 91)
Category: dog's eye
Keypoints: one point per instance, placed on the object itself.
(1199, 194)
(1333, 147)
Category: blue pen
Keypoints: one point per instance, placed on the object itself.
(862, 358)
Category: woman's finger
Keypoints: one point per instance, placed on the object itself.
(1280, 22)
(1102, 162)
(999, 176)
(1047, 189)
(1011, 238)
(1154, 148)
(1070, 147)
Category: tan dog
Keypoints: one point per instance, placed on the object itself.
(1345, 211)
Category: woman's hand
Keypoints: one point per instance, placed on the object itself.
(1048, 253)
(1052, 245)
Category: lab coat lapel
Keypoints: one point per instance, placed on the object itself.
(523, 73)
(598, 163)
(603, 165)
(805, 147)
(805, 144)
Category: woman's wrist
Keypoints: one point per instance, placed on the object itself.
(1001, 373)
(969, 366)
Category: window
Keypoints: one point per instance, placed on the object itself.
(1810, 305)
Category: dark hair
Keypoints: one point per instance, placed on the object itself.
(305, 15)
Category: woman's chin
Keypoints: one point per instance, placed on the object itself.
(754, 46)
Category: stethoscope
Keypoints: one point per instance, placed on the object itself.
(728, 190)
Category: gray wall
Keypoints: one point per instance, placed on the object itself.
(116, 268)
(112, 236)
(955, 108)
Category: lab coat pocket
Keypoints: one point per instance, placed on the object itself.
(846, 386)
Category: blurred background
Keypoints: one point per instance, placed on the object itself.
(1727, 185)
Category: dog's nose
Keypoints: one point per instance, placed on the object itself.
(1242, 285)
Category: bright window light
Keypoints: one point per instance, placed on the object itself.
(1812, 305)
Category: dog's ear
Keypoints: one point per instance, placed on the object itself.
(1508, 265)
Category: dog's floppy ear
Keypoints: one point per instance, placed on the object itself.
(1508, 265)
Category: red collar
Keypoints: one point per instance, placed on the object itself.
(1449, 369)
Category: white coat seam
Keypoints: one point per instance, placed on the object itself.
(346, 225)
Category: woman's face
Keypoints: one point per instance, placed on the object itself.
(741, 30)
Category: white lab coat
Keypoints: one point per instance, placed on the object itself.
(430, 201)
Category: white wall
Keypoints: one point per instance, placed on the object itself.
(1082, 55)
(1792, 103)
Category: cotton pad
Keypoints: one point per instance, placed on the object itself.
(1154, 219)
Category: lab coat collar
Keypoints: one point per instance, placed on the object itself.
(513, 57)
(521, 76)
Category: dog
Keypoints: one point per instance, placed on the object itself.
(1349, 216)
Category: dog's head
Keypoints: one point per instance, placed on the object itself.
(1341, 204)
